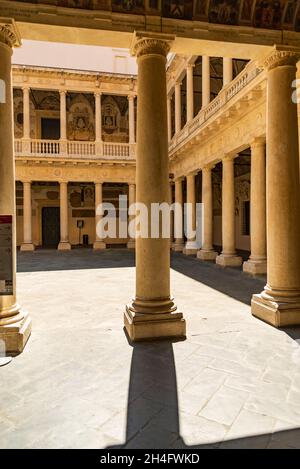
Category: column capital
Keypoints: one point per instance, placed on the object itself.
(98, 183)
(280, 56)
(62, 92)
(131, 97)
(208, 168)
(190, 66)
(228, 158)
(26, 87)
(144, 43)
(26, 181)
(9, 33)
(179, 179)
(98, 93)
(192, 173)
(178, 83)
(63, 181)
(258, 141)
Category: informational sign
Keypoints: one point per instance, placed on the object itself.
(6, 255)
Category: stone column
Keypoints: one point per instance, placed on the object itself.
(178, 246)
(153, 313)
(279, 304)
(205, 81)
(131, 119)
(63, 115)
(169, 113)
(99, 243)
(98, 124)
(207, 253)
(229, 256)
(27, 244)
(190, 93)
(177, 107)
(191, 246)
(131, 201)
(227, 70)
(171, 214)
(26, 113)
(64, 244)
(15, 324)
(257, 263)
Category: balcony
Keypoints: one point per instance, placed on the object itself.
(247, 81)
(74, 150)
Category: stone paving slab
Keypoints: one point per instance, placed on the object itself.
(234, 383)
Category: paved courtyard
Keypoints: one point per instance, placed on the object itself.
(234, 383)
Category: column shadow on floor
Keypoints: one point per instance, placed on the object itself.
(76, 259)
(232, 282)
(153, 420)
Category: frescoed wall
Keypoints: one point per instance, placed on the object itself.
(271, 14)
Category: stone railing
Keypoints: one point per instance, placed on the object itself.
(249, 73)
(73, 149)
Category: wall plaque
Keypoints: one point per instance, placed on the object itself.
(6, 255)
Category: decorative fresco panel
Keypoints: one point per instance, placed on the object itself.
(271, 14)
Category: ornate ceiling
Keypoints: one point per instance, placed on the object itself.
(271, 14)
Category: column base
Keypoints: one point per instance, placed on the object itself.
(145, 327)
(64, 246)
(190, 249)
(99, 245)
(27, 247)
(177, 247)
(229, 260)
(276, 313)
(207, 255)
(255, 267)
(16, 335)
(131, 244)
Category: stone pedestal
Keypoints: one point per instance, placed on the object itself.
(279, 303)
(152, 314)
(229, 257)
(15, 324)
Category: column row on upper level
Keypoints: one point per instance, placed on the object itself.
(193, 85)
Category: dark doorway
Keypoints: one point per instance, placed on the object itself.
(50, 128)
(50, 226)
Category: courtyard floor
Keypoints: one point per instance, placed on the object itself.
(234, 383)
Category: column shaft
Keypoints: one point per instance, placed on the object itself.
(64, 218)
(207, 252)
(257, 263)
(131, 120)
(15, 324)
(27, 244)
(190, 93)
(177, 107)
(205, 80)
(191, 246)
(26, 113)
(153, 312)
(99, 242)
(279, 304)
(63, 116)
(131, 201)
(178, 246)
(227, 70)
(169, 113)
(228, 256)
